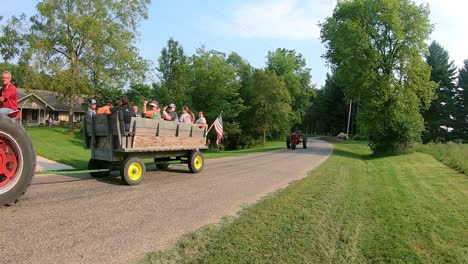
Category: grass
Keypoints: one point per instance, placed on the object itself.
(59, 145)
(355, 208)
(453, 155)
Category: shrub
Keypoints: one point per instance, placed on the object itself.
(343, 136)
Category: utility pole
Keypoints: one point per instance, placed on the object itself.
(349, 117)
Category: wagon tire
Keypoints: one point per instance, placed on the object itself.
(17, 160)
(132, 171)
(95, 164)
(196, 161)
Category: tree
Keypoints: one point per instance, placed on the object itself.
(244, 74)
(86, 45)
(376, 48)
(174, 75)
(292, 67)
(138, 93)
(12, 41)
(461, 125)
(443, 72)
(328, 112)
(216, 89)
(272, 104)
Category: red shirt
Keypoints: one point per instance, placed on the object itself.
(11, 98)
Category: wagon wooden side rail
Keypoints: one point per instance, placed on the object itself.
(167, 142)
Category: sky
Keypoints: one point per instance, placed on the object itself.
(253, 27)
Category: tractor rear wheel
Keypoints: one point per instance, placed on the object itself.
(288, 142)
(293, 146)
(17, 160)
(304, 142)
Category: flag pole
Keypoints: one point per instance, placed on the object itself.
(210, 128)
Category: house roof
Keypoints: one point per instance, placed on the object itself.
(50, 99)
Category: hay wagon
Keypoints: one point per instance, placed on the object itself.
(166, 142)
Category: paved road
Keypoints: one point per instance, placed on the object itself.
(65, 219)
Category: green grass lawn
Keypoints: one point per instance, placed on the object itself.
(453, 155)
(57, 144)
(355, 208)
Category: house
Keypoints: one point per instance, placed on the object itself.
(37, 105)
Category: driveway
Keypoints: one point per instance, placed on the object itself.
(78, 219)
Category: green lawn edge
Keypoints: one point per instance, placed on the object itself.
(354, 208)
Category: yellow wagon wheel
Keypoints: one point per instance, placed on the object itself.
(196, 161)
(132, 171)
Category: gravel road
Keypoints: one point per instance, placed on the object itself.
(78, 219)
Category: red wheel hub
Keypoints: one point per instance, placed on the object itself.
(8, 162)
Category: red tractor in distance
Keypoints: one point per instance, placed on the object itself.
(295, 138)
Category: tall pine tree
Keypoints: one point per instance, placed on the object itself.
(461, 126)
(438, 118)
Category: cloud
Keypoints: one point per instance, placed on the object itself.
(278, 19)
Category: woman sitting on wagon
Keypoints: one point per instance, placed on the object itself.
(187, 116)
(154, 113)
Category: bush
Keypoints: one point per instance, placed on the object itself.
(343, 136)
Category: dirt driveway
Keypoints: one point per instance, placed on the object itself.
(77, 219)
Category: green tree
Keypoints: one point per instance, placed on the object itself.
(174, 69)
(272, 104)
(292, 67)
(443, 72)
(328, 112)
(86, 45)
(139, 92)
(376, 48)
(216, 89)
(461, 125)
(12, 40)
(244, 74)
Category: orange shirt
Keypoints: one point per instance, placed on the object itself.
(104, 110)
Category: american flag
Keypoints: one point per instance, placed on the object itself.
(218, 125)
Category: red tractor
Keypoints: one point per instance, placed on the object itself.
(17, 159)
(295, 138)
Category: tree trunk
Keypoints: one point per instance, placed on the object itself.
(264, 137)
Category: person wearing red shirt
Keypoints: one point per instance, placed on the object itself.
(9, 97)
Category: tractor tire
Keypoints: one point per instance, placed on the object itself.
(95, 164)
(161, 166)
(293, 146)
(132, 171)
(196, 161)
(288, 142)
(304, 142)
(17, 160)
